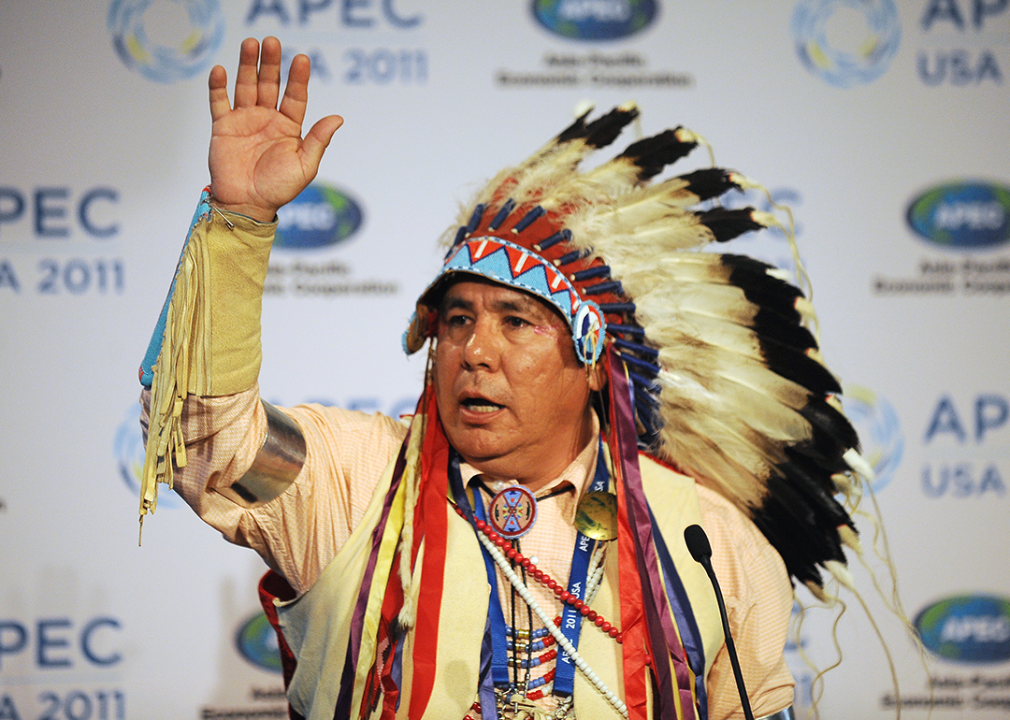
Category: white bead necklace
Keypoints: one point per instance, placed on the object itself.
(548, 622)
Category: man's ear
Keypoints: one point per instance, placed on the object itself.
(596, 376)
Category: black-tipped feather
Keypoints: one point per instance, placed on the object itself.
(652, 154)
(708, 183)
(818, 483)
(799, 562)
(576, 130)
(782, 327)
(604, 130)
(793, 364)
(833, 434)
(804, 531)
(726, 223)
(777, 317)
(761, 288)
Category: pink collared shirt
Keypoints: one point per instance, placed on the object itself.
(301, 531)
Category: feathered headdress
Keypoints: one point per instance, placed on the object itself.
(728, 383)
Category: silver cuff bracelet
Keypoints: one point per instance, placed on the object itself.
(785, 714)
(275, 466)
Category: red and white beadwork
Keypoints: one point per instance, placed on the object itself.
(496, 546)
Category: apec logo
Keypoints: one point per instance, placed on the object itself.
(56, 643)
(257, 643)
(59, 211)
(846, 42)
(980, 477)
(879, 431)
(595, 19)
(962, 37)
(962, 215)
(967, 628)
(321, 215)
(129, 452)
(360, 14)
(166, 40)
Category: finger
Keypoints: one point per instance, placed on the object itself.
(296, 93)
(218, 83)
(245, 80)
(270, 73)
(318, 139)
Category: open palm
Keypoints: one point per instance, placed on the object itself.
(259, 160)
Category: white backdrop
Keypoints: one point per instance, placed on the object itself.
(883, 123)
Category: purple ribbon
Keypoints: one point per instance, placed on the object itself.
(343, 704)
(662, 634)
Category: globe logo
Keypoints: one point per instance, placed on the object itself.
(321, 215)
(256, 641)
(595, 19)
(846, 42)
(128, 448)
(879, 431)
(166, 40)
(962, 215)
(972, 629)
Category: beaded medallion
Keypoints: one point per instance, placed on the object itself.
(512, 512)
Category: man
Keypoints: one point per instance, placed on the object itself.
(508, 553)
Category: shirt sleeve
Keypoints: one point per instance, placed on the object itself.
(301, 531)
(759, 600)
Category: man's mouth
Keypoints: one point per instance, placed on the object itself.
(480, 405)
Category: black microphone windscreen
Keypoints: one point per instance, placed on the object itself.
(697, 543)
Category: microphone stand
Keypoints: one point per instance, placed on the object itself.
(701, 551)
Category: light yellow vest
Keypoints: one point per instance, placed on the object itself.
(317, 625)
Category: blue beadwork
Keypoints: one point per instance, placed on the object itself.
(617, 307)
(611, 286)
(529, 218)
(536, 634)
(502, 214)
(533, 647)
(560, 236)
(600, 271)
(626, 329)
(636, 347)
(571, 257)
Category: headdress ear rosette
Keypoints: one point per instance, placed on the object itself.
(724, 379)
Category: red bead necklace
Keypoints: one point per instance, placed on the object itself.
(531, 569)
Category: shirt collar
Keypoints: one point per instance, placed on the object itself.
(572, 482)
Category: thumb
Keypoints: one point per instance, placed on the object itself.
(318, 138)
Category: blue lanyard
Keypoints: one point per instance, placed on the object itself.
(495, 615)
(571, 619)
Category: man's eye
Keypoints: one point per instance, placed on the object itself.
(516, 322)
(456, 320)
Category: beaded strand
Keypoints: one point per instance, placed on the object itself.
(595, 573)
(493, 548)
(499, 544)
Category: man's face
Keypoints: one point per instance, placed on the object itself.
(512, 396)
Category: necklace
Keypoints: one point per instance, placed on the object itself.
(514, 700)
(493, 544)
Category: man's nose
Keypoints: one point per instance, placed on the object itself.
(483, 346)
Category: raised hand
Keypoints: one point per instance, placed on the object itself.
(258, 158)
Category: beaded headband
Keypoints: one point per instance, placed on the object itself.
(525, 268)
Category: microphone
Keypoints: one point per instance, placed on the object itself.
(701, 551)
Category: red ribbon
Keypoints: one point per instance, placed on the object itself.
(635, 648)
(430, 520)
